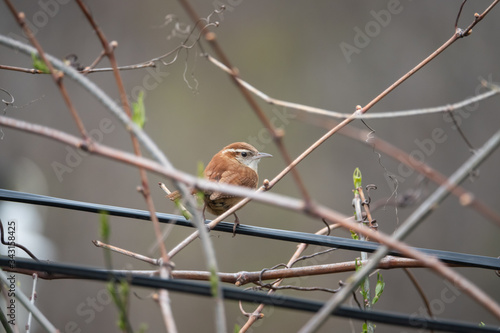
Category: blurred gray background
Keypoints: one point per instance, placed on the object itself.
(291, 50)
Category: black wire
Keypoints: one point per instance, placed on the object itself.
(232, 293)
(283, 235)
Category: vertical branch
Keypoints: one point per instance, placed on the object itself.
(32, 298)
(358, 215)
(165, 267)
(364, 256)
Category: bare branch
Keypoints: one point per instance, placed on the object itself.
(137, 256)
(494, 90)
(32, 299)
(39, 316)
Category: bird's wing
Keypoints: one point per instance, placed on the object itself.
(242, 177)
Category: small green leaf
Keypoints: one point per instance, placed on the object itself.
(214, 281)
(200, 170)
(124, 289)
(237, 328)
(105, 230)
(119, 292)
(364, 292)
(143, 328)
(183, 210)
(365, 328)
(379, 288)
(200, 195)
(354, 235)
(200, 198)
(357, 264)
(481, 324)
(356, 177)
(111, 290)
(139, 111)
(39, 64)
(121, 324)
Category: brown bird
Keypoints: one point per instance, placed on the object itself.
(235, 164)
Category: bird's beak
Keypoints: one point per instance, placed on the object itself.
(261, 155)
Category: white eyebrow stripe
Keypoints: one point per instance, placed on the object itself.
(232, 150)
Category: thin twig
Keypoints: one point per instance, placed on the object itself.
(96, 61)
(271, 287)
(32, 299)
(183, 209)
(121, 68)
(11, 98)
(86, 70)
(462, 134)
(21, 69)
(494, 90)
(366, 208)
(137, 256)
(314, 254)
(15, 244)
(459, 14)
(420, 291)
(478, 18)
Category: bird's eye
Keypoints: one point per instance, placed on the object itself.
(244, 153)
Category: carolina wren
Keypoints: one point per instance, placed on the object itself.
(235, 164)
